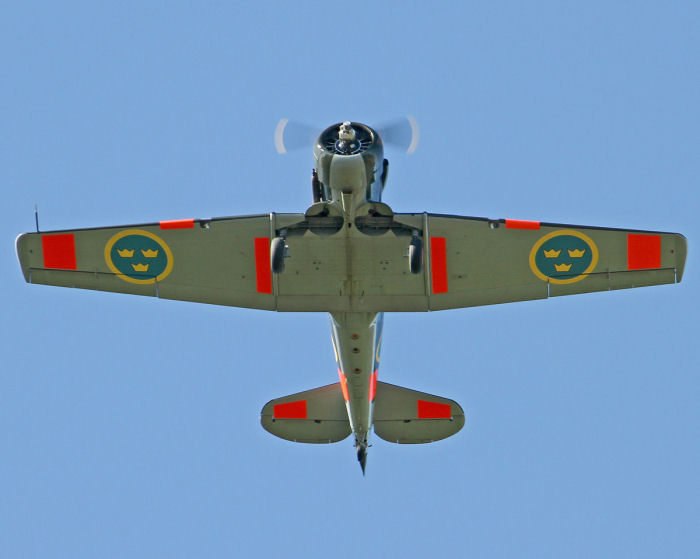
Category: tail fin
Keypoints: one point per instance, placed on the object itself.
(313, 416)
(408, 416)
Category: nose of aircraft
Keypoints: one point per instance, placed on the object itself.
(346, 144)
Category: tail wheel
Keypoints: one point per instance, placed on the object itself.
(277, 255)
(415, 256)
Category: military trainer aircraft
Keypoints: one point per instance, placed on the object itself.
(350, 255)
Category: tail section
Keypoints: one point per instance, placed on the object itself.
(312, 416)
(408, 416)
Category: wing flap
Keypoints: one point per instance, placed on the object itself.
(610, 281)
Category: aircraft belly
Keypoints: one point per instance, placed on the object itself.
(355, 338)
(339, 303)
(349, 272)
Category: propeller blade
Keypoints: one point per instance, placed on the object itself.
(291, 135)
(403, 133)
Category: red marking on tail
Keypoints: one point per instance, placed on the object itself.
(643, 252)
(59, 251)
(344, 385)
(433, 410)
(263, 273)
(438, 264)
(521, 224)
(177, 224)
(373, 385)
(290, 410)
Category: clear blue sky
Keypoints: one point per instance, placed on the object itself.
(129, 427)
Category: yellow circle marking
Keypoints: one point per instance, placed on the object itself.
(585, 238)
(156, 238)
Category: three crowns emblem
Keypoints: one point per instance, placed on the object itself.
(138, 256)
(147, 253)
(575, 253)
(563, 256)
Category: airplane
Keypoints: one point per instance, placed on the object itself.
(350, 255)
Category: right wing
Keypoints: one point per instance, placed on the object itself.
(222, 261)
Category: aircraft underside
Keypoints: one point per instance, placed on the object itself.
(350, 255)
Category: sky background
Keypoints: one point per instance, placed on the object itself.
(129, 426)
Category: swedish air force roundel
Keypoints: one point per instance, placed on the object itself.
(138, 256)
(564, 256)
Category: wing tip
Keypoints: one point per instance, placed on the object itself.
(681, 253)
(20, 248)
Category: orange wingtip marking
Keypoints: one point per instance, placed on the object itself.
(438, 264)
(643, 252)
(177, 224)
(59, 251)
(521, 224)
(433, 410)
(290, 410)
(263, 273)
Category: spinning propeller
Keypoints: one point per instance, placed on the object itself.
(291, 135)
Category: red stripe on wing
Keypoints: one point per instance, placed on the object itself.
(438, 264)
(59, 251)
(263, 273)
(643, 251)
(521, 224)
(177, 224)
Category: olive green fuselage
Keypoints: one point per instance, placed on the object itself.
(352, 173)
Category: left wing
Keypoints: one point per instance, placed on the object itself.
(476, 261)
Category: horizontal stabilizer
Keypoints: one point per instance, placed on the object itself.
(408, 416)
(313, 416)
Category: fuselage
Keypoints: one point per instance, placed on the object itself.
(350, 172)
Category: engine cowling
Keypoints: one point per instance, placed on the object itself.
(349, 158)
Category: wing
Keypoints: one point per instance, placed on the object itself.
(474, 261)
(221, 261)
(467, 261)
